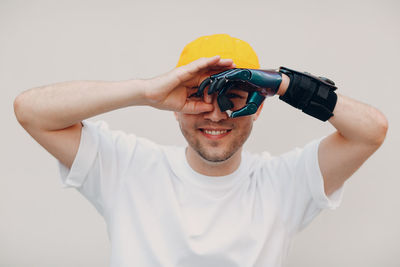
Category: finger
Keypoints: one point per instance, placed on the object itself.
(227, 86)
(202, 64)
(196, 107)
(187, 72)
(221, 74)
(215, 70)
(218, 85)
(203, 86)
(249, 109)
(224, 62)
(212, 86)
(239, 74)
(224, 103)
(209, 63)
(208, 98)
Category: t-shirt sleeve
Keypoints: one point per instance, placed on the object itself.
(99, 165)
(299, 185)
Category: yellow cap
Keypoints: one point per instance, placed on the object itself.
(223, 45)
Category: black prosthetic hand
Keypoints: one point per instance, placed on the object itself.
(314, 95)
(258, 83)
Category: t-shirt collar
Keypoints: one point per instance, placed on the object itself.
(205, 181)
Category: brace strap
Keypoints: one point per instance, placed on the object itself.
(315, 96)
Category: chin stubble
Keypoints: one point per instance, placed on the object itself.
(212, 157)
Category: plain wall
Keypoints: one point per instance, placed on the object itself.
(355, 43)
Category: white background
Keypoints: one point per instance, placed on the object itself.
(355, 43)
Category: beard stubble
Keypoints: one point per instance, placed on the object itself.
(211, 155)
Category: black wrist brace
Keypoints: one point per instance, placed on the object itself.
(315, 96)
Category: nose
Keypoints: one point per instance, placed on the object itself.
(216, 114)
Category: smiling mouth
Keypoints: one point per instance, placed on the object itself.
(215, 134)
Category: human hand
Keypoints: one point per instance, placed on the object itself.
(170, 91)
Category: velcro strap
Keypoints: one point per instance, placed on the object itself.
(313, 95)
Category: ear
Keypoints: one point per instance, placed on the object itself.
(255, 116)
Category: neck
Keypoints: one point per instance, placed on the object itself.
(202, 166)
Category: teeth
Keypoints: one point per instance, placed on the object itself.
(215, 132)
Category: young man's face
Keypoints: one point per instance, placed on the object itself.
(214, 135)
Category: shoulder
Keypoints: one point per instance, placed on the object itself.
(286, 161)
(120, 144)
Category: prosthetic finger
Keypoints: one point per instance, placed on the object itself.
(209, 81)
(239, 74)
(249, 109)
(224, 102)
(203, 86)
(254, 101)
(212, 85)
(217, 85)
(222, 74)
(218, 80)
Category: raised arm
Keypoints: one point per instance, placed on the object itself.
(361, 129)
(52, 114)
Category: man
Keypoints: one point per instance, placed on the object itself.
(210, 204)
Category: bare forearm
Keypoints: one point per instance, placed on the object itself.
(58, 106)
(359, 122)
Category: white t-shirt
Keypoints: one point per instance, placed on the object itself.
(160, 212)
